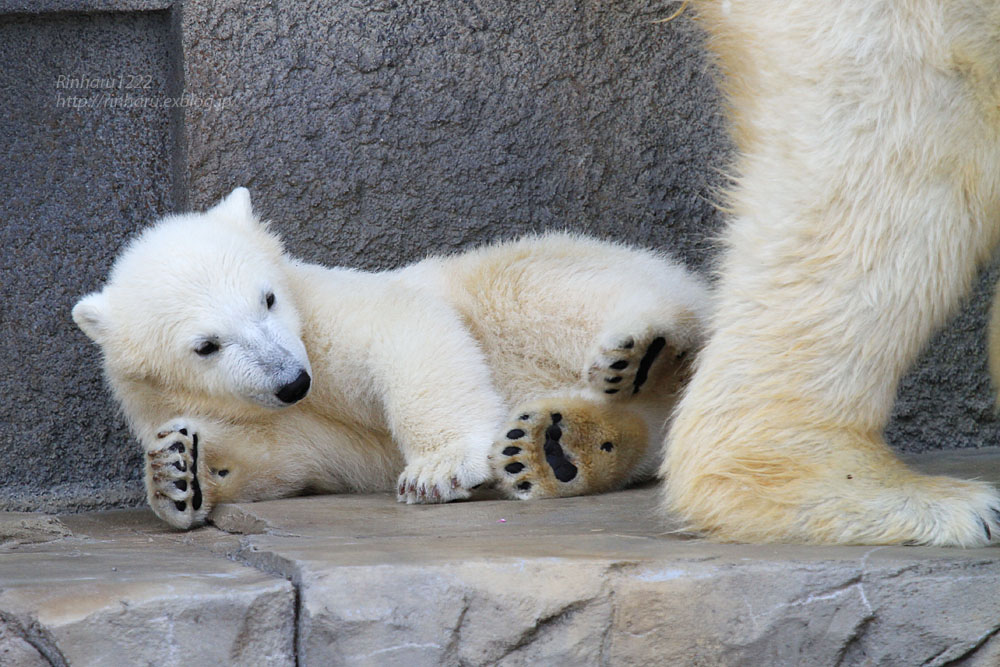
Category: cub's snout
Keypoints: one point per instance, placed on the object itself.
(296, 390)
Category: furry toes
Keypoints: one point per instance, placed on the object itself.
(859, 497)
(436, 480)
(566, 447)
(948, 512)
(172, 485)
(622, 366)
(932, 511)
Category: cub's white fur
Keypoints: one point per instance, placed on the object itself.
(248, 375)
(867, 192)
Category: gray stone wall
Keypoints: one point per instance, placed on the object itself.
(370, 134)
(76, 181)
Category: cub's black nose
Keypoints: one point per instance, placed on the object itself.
(295, 390)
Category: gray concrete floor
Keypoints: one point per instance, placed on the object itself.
(362, 580)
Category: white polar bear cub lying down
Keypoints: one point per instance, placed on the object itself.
(546, 365)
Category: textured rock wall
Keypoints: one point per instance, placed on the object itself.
(77, 178)
(374, 133)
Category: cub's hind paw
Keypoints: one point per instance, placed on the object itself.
(172, 485)
(623, 364)
(567, 447)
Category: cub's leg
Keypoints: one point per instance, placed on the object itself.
(646, 346)
(594, 438)
(567, 446)
(189, 470)
(438, 398)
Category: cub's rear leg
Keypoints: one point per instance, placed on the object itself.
(644, 348)
(621, 366)
(567, 446)
(595, 438)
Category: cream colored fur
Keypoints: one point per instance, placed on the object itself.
(867, 193)
(413, 371)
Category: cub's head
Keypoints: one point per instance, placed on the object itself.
(198, 309)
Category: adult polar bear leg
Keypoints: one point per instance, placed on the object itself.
(867, 193)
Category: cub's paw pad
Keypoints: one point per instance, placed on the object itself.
(572, 451)
(427, 481)
(172, 485)
(621, 367)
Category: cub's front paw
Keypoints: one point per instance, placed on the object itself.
(439, 480)
(172, 485)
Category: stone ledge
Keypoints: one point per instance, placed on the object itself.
(595, 580)
(118, 589)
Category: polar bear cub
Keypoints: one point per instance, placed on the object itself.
(546, 365)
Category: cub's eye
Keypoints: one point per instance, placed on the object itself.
(269, 300)
(207, 348)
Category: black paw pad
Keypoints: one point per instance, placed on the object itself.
(183, 431)
(180, 505)
(563, 470)
(524, 486)
(223, 472)
(511, 451)
(195, 486)
(556, 417)
(607, 446)
(986, 527)
(619, 365)
(180, 465)
(514, 468)
(514, 434)
(524, 417)
(652, 352)
(177, 447)
(181, 485)
(610, 391)
(615, 380)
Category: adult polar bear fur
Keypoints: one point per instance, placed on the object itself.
(249, 375)
(866, 194)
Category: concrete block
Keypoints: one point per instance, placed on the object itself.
(600, 581)
(141, 596)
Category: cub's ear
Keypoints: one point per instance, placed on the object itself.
(236, 206)
(92, 315)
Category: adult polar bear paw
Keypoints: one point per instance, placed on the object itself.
(438, 479)
(922, 510)
(827, 488)
(172, 485)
